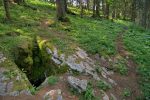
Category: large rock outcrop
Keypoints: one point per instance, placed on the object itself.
(78, 61)
(11, 77)
(79, 85)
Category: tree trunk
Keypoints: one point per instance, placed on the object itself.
(144, 15)
(94, 7)
(133, 10)
(97, 8)
(107, 10)
(65, 3)
(124, 10)
(88, 7)
(103, 7)
(81, 7)
(113, 14)
(6, 6)
(60, 6)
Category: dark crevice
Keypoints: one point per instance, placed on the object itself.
(29, 58)
(36, 62)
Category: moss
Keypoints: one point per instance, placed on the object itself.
(52, 80)
(63, 69)
(29, 60)
(12, 71)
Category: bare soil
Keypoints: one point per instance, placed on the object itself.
(130, 81)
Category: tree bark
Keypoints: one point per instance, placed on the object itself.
(107, 10)
(144, 15)
(88, 4)
(113, 14)
(65, 3)
(94, 7)
(133, 10)
(124, 10)
(60, 6)
(97, 8)
(6, 6)
(81, 7)
(103, 7)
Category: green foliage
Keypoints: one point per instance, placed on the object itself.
(126, 92)
(32, 90)
(10, 74)
(95, 36)
(63, 69)
(102, 85)
(28, 61)
(137, 41)
(120, 66)
(73, 91)
(88, 94)
(52, 80)
(98, 69)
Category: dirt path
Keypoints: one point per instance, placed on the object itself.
(128, 81)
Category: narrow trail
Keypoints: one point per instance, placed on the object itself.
(130, 81)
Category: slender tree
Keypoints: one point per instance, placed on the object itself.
(107, 10)
(94, 5)
(133, 10)
(81, 7)
(88, 4)
(96, 8)
(103, 7)
(65, 4)
(60, 7)
(143, 13)
(6, 6)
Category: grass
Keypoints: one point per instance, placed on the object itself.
(89, 93)
(102, 85)
(120, 66)
(126, 92)
(137, 41)
(94, 35)
(33, 90)
(52, 80)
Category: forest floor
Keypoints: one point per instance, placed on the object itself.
(128, 81)
(120, 47)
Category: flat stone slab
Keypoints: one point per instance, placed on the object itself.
(80, 85)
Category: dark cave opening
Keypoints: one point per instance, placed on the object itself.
(30, 59)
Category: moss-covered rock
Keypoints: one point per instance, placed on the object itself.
(12, 79)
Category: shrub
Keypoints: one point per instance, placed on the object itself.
(126, 92)
(89, 93)
(103, 85)
(52, 80)
(120, 66)
(32, 90)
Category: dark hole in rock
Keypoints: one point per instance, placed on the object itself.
(37, 82)
(36, 62)
(29, 58)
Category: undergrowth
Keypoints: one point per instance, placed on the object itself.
(137, 41)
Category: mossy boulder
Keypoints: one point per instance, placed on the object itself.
(13, 80)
